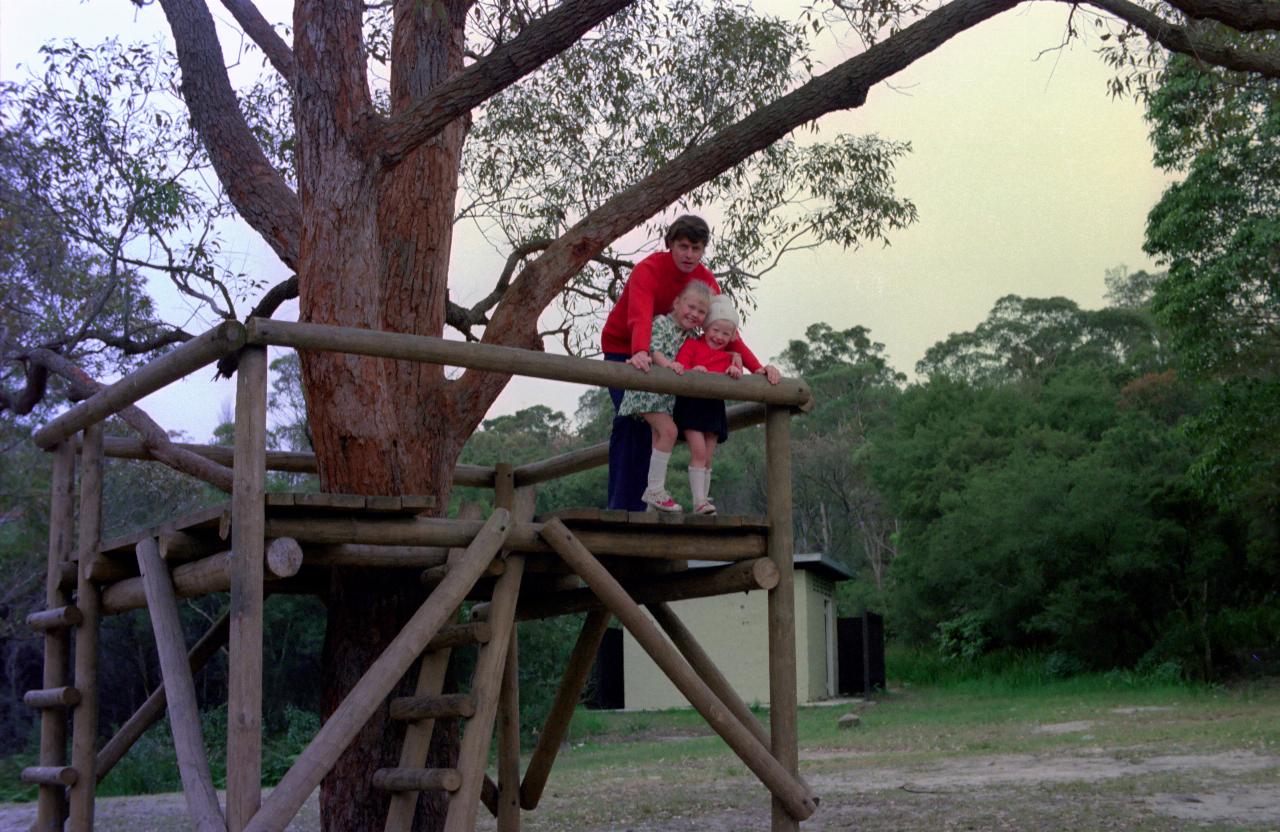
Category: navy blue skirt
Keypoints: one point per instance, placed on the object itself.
(705, 415)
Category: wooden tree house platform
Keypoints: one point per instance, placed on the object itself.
(512, 566)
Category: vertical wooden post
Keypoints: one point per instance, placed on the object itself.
(244, 696)
(180, 690)
(474, 749)
(782, 606)
(51, 809)
(509, 740)
(506, 496)
(84, 721)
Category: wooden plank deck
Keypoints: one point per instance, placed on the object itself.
(214, 522)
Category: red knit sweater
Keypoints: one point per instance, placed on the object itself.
(696, 352)
(652, 289)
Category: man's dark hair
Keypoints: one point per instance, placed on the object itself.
(688, 227)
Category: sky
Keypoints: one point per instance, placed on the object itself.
(1029, 179)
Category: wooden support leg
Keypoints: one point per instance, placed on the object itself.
(84, 720)
(785, 787)
(152, 709)
(509, 740)
(575, 678)
(248, 521)
(782, 607)
(180, 691)
(51, 807)
(349, 717)
(474, 751)
(521, 502)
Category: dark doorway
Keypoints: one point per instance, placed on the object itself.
(860, 651)
(606, 689)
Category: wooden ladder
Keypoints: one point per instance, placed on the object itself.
(493, 698)
(67, 786)
(494, 673)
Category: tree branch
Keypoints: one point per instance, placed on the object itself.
(1177, 38)
(153, 436)
(23, 402)
(256, 189)
(267, 306)
(264, 35)
(541, 41)
(1243, 15)
(132, 346)
(843, 87)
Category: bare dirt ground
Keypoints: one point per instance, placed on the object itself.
(1093, 789)
(1081, 774)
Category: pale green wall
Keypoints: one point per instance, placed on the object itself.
(733, 629)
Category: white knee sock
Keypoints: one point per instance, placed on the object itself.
(706, 483)
(698, 484)
(658, 469)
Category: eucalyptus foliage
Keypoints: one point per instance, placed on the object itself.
(1218, 231)
(649, 83)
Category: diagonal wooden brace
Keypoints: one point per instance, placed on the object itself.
(784, 786)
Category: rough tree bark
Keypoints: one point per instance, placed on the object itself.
(369, 235)
(372, 242)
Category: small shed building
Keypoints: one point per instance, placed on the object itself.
(733, 629)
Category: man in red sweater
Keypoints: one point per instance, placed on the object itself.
(651, 290)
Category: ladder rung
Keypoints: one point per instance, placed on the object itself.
(458, 635)
(412, 708)
(417, 779)
(63, 697)
(55, 619)
(50, 775)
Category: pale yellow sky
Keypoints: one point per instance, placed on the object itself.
(1029, 179)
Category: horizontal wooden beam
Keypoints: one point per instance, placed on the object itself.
(225, 338)
(724, 544)
(513, 361)
(371, 555)
(190, 580)
(294, 462)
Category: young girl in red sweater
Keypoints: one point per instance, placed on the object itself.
(702, 421)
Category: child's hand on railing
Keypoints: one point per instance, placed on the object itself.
(734, 371)
(677, 368)
(641, 361)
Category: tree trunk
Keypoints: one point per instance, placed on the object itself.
(375, 254)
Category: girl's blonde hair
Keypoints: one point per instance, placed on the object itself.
(696, 287)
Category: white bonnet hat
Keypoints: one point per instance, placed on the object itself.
(722, 309)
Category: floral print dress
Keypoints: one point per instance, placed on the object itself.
(667, 338)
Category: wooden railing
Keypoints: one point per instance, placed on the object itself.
(248, 462)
